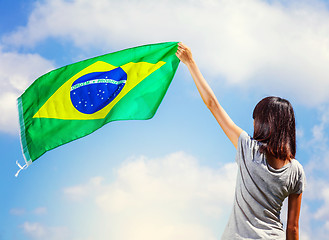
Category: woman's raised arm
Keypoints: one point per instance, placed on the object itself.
(231, 130)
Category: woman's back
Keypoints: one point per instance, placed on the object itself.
(260, 192)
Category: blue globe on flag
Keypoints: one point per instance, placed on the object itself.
(94, 91)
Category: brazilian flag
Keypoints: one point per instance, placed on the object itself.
(73, 101)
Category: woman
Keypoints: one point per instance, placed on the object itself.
(268, 171)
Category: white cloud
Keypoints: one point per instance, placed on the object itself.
(323, 211)
(280, 49)
(327, 225)
(317, 145)
(77, 193)
(40, 211)
(319, 138)
(165, 198)
(36, 230)
(304, 236)
(315, 207)
(23, 211)
(17, 211)
(17, 71)
(305, 223)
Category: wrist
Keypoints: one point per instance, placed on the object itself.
(190, 63)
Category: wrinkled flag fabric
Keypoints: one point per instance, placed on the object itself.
(73, 101)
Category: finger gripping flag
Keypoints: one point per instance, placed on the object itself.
(73, 101)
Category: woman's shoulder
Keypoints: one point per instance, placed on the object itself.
(248, 141)
(248, 146)
(298, 173)
(299, 177)
(296, 164)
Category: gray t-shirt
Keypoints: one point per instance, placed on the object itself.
(259, 193)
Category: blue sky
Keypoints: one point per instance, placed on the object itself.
(171, 177)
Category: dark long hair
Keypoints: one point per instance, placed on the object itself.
(274, 126)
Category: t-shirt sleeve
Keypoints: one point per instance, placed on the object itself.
(300, 182)
(244, 147)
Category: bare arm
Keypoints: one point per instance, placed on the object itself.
(294, 204)
(231, 130)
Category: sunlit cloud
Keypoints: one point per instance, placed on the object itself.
(79, 192)
(17, 72)
(278, 49)
(176, 197)
(173, 197)
(36, 231)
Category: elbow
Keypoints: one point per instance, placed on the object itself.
(210, 103)
(293, 230)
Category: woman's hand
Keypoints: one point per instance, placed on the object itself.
(184, 54)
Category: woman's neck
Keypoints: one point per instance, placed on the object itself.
(276, 163)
